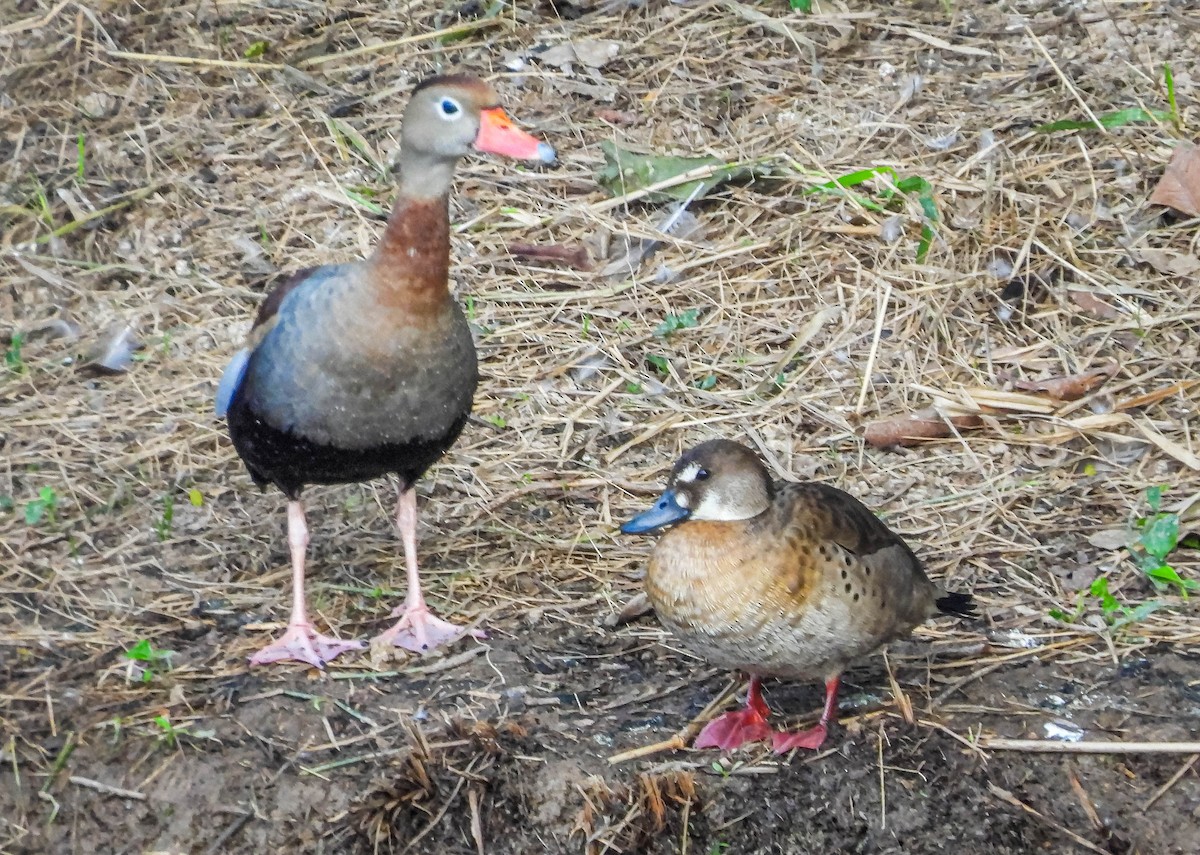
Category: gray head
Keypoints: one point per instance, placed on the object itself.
(716, 480)
(451, 115)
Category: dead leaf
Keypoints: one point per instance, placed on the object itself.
(1093, 305)
(113, 353)
(1179, 187)
(573, 255)
(1109, 539)
(617, 117)
(592, 53)
(1069, 388)
(628, 171)
(911, 430)
(1171, 263)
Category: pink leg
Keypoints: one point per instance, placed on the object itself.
(814, 736)
(417, 630)
(748, 724)
(301, 642)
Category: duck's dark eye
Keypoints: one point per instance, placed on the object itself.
(449, 107)
(702, 475)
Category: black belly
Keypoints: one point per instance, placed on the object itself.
(290, 462)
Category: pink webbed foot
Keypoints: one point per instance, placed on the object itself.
(304, 644)
(736, 728)
(420, 631)
(812, 738)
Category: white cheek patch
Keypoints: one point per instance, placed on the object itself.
(714, 507)
(683, 499)
(688, 473)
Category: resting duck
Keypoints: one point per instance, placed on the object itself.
(354, 371)
(778, 579)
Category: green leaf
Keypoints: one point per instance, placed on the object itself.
(1165, 573)
(34, 511)
(915, 184)
(626, 171)
(633, 388)
(196, 498)
(673, 323)
(496, 421)
(707, 383)
(255, 50)
(140, 652)
(1060, 615)
(800, 5)
(1154, 497)
(661, 363)
(1130, 116)
(7, 503)
(363, 201)
(1161, 536)
(852, 179)
(1169, 80)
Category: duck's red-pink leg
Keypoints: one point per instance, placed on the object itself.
(732, 729)
(417, 630)
(301, 642)
(814, 736)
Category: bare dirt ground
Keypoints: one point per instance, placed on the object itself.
(162, 164)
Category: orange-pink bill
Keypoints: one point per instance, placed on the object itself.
(498, 135)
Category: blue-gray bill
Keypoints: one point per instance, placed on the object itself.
(666, 511)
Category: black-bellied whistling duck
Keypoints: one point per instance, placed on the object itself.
(354, 371)
(778, 579)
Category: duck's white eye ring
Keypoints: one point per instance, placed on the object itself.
(449, 109)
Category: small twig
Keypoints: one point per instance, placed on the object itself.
(874, 352)
(195, 60)
(107, 789)
(1067, 83)
(1162, 791)
(456, 30)
(1046, 746)
(1008, 797)
(681, 739)
(232, 829)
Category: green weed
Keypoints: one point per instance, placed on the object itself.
(1116, 119)
(661, 364)
(913, 185)
(168, 733)
(147, 655)
(162, 528)
(1169, 83)
(80, 157)
(13, 360)
(45, 506)
(1157, 538)
(673, 323)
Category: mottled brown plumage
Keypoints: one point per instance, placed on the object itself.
(792, 580)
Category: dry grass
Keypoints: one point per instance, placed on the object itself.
(207, 174)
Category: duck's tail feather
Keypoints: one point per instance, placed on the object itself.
(957, 604)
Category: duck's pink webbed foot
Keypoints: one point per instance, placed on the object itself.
(732, 729)
(783, 742)
(304, 644)
(814, 737)
(420, 631)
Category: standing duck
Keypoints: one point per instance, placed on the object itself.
(354, 371)
(778, 579)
